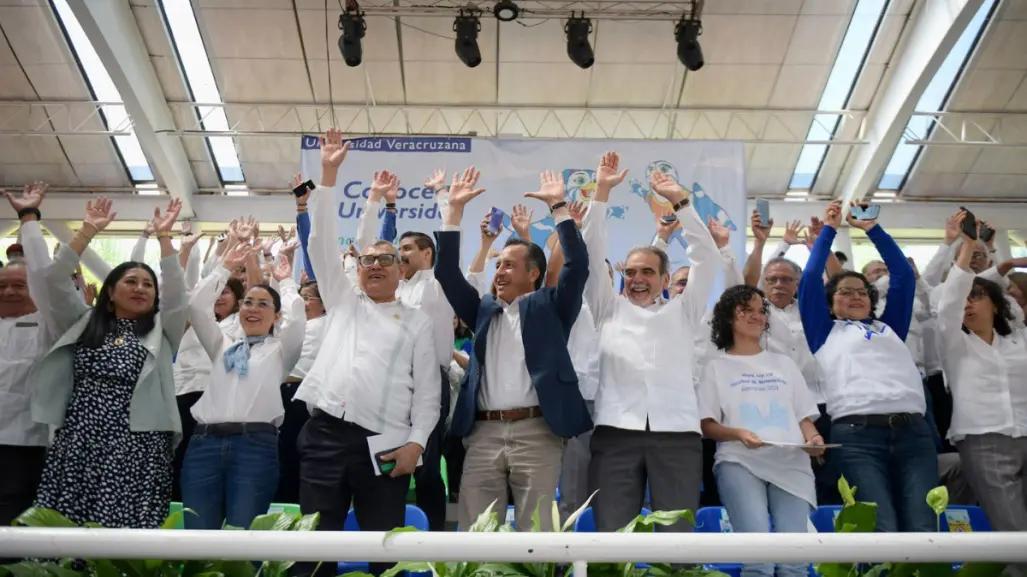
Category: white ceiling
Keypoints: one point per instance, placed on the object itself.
(759, 54)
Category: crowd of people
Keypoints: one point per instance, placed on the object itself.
(226, 385)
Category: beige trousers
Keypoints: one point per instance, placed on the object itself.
(523, 455)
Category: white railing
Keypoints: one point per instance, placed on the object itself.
(516, 547)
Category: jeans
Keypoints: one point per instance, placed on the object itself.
(894, 467)
(229, 478)
(751, 502)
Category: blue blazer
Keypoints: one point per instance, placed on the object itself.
(547, 316)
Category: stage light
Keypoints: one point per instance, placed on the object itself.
(578, 48)
(506, 11)
(687, 33)
(466, 27)
(353, 28)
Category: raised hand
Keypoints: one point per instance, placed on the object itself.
(288, 249)
(268, 244)
(664, 185)
(619, 267)
(863, 225)
(792, 230)
(437, 180)
(484, 226)
(297, 180)
(380, 185)
(463, 190)
(236, 256)
(98, 213)
(577, 210)
(952, 230)
(833, 214)
(551, 189)
(760, 233)
(520, 220)
(189, 240)
(286, 236)
(960, 217)
(31, 196)
(607, 176)
(89, 293)
(148, 228)
(665, 229)
(245, 228)
(333, 150)
(283, 270)
(393, 192)
(720, 233)
(164, 223)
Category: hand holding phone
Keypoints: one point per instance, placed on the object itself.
(383, 465)
(496, 218)
(669, 218)
(986, 233)
(969, 226)
(865, 211)
(303, 188)
(763, 210)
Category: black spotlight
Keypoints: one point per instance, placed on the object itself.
(466, 27)
(506, 11)
(578, 48)
(353, 28)
(687, 33)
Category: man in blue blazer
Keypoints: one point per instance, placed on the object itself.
(520, 398)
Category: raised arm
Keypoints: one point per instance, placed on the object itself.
(294, 318)
(898, 312)
(303, 231)
(382, 186)
(598, 293)
(174, 302)
(814, 310)
(462, 296)
(952, 301)
(201, 304)
(323, 250)
(139, 248)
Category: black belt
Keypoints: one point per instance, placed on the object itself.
(891, 421)
(227, 429)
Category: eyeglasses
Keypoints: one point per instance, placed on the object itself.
(785, 280)
(977, 294)
(307, 298)
(853, 292)
(382, 259)
(257, 304)
(978, 256)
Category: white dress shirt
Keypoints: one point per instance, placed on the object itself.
(583, 345)
(313, 336)
(921, 312)
(256, 396)
(422, 291)
(378, 366)
(23, 341)
(505, 382)
(988, 382)
(646, 354)
(192, 364)
(787, 337)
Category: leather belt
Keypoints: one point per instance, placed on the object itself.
(891, 421)
(228, 429)
(292, 380)
(510, 414)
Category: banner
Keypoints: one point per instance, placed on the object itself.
(712, 170)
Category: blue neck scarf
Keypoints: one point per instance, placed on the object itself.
(237, 356)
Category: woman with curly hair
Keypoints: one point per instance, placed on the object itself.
(749, 401)
(871, 384)
(985, 361)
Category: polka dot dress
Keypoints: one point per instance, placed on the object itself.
(97, 469)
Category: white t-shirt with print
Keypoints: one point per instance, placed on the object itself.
(766, 394)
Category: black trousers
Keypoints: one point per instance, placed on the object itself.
(22, 467)
(185, 405)
(296, 416)
(429, 486)
(710, 496)
(824, 472)
(335, 470)
(941, 405)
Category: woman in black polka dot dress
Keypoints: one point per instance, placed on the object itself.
(108, 384)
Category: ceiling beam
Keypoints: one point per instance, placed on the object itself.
(936, 28)
(112, 30)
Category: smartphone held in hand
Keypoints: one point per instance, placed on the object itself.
(763, 210)
(866, 211)
(496, 218)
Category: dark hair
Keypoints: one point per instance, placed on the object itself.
(1003, 314)
(536, 258)
(311, 284)
(841, 256)
(102, 320)
(657, 252)
(422, 241)
(238, 291)
(832, 287)
(722, 324)
(275, 298)
(462, 331)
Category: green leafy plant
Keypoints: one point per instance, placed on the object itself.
(488, 522)
(856, 517)
(40, 517)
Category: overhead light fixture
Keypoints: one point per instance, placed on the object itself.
(578, 48)
(687, 33)
(353, 28)
(506, 11)
(467, 27)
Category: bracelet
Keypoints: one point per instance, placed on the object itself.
(558, 206)
(30, 210)
(92, 225)
(164, 234)
(681, 204)
(390, 205)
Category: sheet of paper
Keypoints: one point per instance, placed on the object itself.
(386, 442)
(800, 445)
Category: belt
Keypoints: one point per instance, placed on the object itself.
(227, 429)
(510, 414)
(891, 421)
(292, 380)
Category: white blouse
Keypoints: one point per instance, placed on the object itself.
(766, 394)
(255, 397)
(192, 365)
(988, 382)
(312, 338)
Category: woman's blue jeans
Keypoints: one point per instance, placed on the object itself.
(229, 479)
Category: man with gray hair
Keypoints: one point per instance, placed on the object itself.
(647, 418)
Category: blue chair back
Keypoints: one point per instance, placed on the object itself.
(712, 520)
(586, 523)
(964, 519)
(415, 518)
(823, 517)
